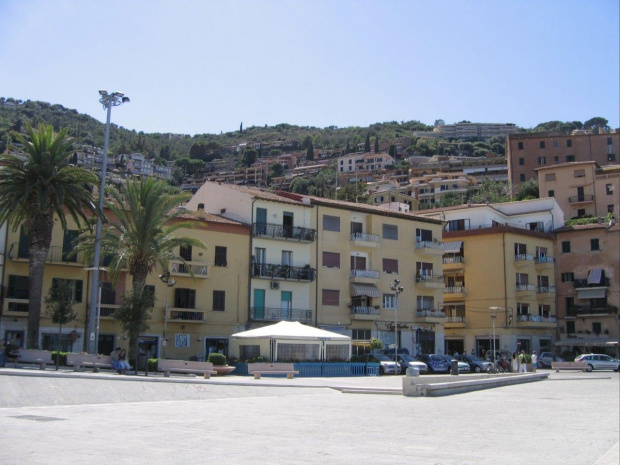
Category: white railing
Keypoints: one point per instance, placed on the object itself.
(456, 319)
(537, 318)
(454, 290)
(428, 245)
(365, 237)
(375, 274)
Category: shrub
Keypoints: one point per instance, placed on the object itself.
(152, 364)
(217, 359)
(62, 360)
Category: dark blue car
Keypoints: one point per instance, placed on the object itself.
(435, 363)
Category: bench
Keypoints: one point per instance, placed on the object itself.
(183, 366)
(37, 357)
(258, 369)
(557, 366)
(89, 360)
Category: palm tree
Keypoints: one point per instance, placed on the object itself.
(142, 235)
(38, 185)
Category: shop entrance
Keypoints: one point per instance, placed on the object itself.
(453, 346)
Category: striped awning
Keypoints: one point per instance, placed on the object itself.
(369, 290)
(452, 247)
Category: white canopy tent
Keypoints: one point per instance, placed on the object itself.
(290, 341)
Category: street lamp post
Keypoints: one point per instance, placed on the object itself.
(165, 278)
(395, 286)
(108, 101)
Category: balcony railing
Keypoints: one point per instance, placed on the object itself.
(364, 237)
(453, 260)
(454, 290)
(545, 289)
(361, 310)
(431, 245)
(524, 287)
(278, 231)
(431, 280)
(56, 254)
(272, 271)
(186, 315)
(536, 319)
(580, 198)
(373, 274)
(429, 313)
(198, 269)
(107, 311)
(456, 319)
(583, 283)
(544, 259)
(524, 257)
(16, 305)
(582, 310)
(279, 314)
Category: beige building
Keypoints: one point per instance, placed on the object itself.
(582, 188)
(499, 275)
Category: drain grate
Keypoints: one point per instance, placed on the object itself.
(37, 418)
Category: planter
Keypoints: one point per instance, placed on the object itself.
(222, 370)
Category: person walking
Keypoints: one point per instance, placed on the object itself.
(534, 362)
(515, 363)
(522, 362)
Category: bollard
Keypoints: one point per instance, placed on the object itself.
(454, 367)
(412, 372)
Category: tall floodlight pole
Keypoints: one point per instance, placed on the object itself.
(395, 286)
(494, 317)
(165, 278)
(108, 101)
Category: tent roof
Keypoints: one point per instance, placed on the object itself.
(290, 330)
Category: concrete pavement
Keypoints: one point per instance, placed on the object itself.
(83, 418)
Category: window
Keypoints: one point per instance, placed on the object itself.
(49, 342)
(287, 258)
(184, 298)
(580, 173)
(570, 327)
(520, 145)
(596, 327)
(390, 265)
(549, 176)
(556, 159)
(569, 142)
(330, 297)
(609, 189)
(610, 208)
(556, 144)
(219, 301)
(542, 160)
(423, 269)
(523, 309)
(361, 334)
(390, 231)
(68, 244)
(565, 246)
(544, 310)
(520, 250)
(458, 225)
(19, 287)
(76, 288)
(423, 235)
(522, 279)
(389, 300)
(425, 302)
(581, 212)
(331, 223)
(551, 193)
(185, 252)
(331, 260)
(541, 144)
(522, 177)
(568, 277)
(570, 158)
(594, 245)
(220, 256)
(521, 161)
(108, 293)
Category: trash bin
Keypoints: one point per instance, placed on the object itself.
(454, 367)
(143, 361)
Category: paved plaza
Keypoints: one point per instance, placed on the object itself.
(69, 418)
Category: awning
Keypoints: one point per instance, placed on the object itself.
(591, 293)
(595, 275)
(369, 290)
(452, 247)
(599, 342)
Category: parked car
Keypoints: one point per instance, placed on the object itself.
(407, 361)
(463, 367)
(388, 366)
(434, 362)
(545, 359)
(475, 363)
(599, 362)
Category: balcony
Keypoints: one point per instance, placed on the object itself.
(430, 282)
(279, 314)
(454, 292)
(583, 284)
(581, 199)
(523, 258)
(16, 307)
(107, 310)
(365, 240)
(524, 289)
(456, 263)
(429, 247)
(199, 269)
(285, 272)
(281, 232)
(544, 261)
(186, 315)
(536, 321)
(364, 276)
(56, 255)
(430, 315)
(455, 322)
(365, 312)
(545, 289)
(590, 311)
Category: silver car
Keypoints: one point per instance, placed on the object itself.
(599, 362)
(407, 361)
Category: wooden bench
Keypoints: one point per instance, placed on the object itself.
(89, 360)
(557, 366)
(258, 369)
(37, 357)
(184, 366)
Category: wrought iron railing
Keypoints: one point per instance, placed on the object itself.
(580, 198)
(17, 307)
(269, 271)
(374, 274)
(365, 237)
(284, 232)
(186, 315)
(365, 310)
(581, 283)
(279, 314)
(579, 310)
(199, 269)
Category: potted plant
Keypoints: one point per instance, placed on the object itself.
(219, 363)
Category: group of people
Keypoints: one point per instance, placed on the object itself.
(119, 362)
(519, 362)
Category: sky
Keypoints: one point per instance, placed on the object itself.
(194, 67)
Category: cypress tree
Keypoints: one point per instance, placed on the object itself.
(367, 143)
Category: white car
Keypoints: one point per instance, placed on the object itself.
(599, 362)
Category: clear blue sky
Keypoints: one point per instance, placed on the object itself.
(206, 66)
